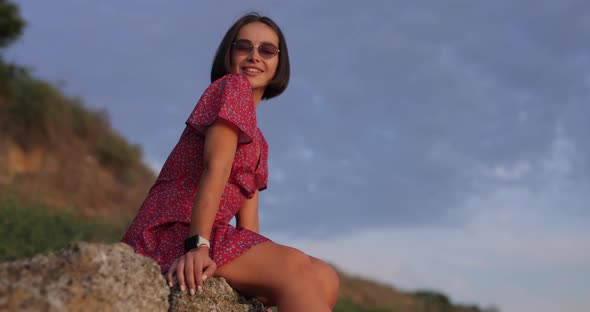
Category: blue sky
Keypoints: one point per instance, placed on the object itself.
(426, 144)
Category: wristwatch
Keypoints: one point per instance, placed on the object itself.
(195, 241)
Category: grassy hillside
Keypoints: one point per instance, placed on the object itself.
(65, 174)
(56, 151)
(27, 229)
(363, 295)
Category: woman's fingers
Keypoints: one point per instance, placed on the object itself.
(189, 272)
(170, 273)
(180, 273)
(199, 274)
(209, 270)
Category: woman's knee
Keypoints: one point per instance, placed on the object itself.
(314, 273)
(328, 279)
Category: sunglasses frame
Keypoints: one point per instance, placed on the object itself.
(251, 46)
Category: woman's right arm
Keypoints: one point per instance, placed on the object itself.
(221, 141)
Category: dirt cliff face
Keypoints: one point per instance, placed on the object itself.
(70, 177)
(24, 162)
(101, 277)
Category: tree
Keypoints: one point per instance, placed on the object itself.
(11, 23)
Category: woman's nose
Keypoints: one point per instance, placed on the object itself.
(254, 55)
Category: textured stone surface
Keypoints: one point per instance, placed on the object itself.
(100, 277)
(83, 277)
(216, 296)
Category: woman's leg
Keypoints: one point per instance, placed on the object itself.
(282, 274)
(327, 278)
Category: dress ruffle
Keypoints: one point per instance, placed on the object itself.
(249, 182)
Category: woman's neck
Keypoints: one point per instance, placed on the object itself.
(257, 96)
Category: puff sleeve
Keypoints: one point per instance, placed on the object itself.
(230, 98)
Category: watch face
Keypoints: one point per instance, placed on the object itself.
(190, 243)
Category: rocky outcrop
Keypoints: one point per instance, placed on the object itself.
(217, 296)
(101, 277)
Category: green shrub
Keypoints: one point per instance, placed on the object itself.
(434, 301)
(86, 123)
(345, 305)
(27, 115)
(114, 152)
(30, 109)
(27, 229)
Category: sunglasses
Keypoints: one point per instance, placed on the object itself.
(266, 50)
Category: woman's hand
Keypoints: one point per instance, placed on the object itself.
(192, 268)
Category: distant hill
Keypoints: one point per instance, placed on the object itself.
(363, 295)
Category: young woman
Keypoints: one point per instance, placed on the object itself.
(216, 172)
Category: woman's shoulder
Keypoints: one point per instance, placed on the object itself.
(229, 97)
(231, 81)
(231, 88)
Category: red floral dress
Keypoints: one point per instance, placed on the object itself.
(162, 223)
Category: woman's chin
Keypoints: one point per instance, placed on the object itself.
(256, 82)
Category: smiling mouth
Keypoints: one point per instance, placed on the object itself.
(251, 70)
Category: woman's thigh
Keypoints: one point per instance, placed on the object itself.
(268, 268)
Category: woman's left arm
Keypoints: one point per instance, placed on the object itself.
(247, 217)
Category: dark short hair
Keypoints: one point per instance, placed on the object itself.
(222, 62)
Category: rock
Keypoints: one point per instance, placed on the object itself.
(83, 277)
(102, 277)
(217, 296)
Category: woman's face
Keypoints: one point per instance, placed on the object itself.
(259, 69)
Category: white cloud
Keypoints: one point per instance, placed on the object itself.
(302, 153)
(553, 168)
(388, 134)
(562, 152)
(277, 175)
(511, 172)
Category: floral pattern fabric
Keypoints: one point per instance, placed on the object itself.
(162, 223)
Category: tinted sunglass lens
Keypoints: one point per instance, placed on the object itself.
(268, 50)
(242, 46)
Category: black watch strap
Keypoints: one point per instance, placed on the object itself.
(194, 242)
